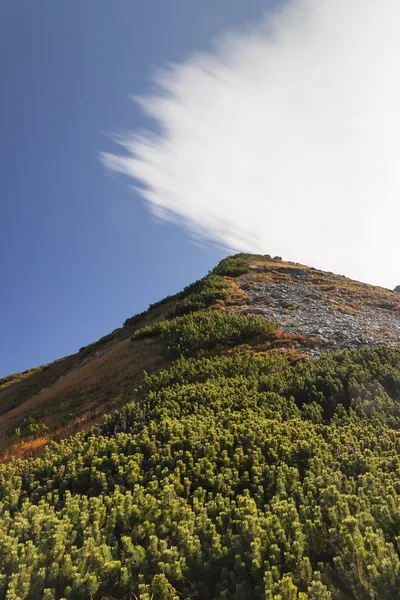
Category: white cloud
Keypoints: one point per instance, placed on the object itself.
(284, 140)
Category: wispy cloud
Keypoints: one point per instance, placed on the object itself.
(284, 140)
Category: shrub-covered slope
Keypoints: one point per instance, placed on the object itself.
(73, 393)
(237, 471)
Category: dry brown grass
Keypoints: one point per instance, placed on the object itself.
(82, 397)
(74, 393)
(19, 377)
(24, 449)
(236, 294)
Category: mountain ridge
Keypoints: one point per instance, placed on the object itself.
(74, 392)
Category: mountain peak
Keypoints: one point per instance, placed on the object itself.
(315, 312)
(330, 311)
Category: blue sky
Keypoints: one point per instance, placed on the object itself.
(79, 251)
(264, 126)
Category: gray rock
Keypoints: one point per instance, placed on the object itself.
(313, 318)
(387, 304)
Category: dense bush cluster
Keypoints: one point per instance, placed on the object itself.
(239, 264)
(233, 476)
(31, 428)
(235, 265)
(205, 330)
(197, 296)
(202, 294)
(135, 320)
(230, 475)
(161, 302)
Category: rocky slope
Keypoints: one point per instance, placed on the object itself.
(332, 312)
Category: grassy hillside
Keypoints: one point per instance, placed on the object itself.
(240, 468)
(75, 392)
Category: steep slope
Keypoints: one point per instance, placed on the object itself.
(317, 311)
(75, 392)
(332, 310)
(255, 462)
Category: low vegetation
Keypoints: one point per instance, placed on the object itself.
(161, 302)
(238, 264)
(96, 345)
(205, 330)
(231, 474)
(31, 428)
(135, 319)
(4, 381)
(235, 476)
(202, 294)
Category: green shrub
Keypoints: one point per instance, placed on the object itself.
(224, 478)
(20, 375)
(201, 294)
(9, 378)
(233, 266)
(31, 428)
(204, 330)
(239, 264)
(135, 319)
(103, 340)
(232, 475)
(160, 302)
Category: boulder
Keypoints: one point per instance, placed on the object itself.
(397, 289)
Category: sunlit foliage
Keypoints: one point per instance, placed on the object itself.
(204, 330)
(230, 475)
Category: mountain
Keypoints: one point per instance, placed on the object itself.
(317, 312)
(255, 452)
